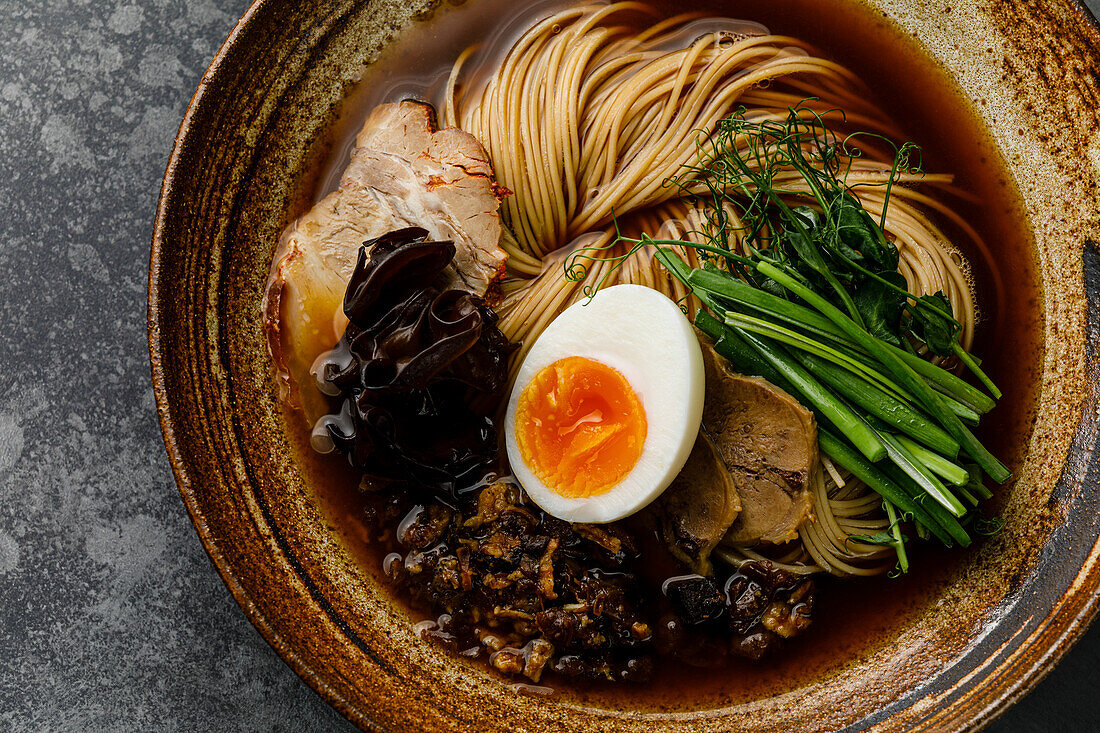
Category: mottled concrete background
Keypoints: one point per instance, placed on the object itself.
(112, 616)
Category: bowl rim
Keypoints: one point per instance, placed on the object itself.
(1066, 622)
(225, 570)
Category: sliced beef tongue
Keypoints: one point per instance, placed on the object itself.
(403, 172)
(769, 444)
(747, 478)
(700, 506)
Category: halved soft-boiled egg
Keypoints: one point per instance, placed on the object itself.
(606, 406)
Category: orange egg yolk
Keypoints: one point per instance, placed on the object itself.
(580, 427)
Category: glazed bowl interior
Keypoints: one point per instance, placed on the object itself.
(246, 162)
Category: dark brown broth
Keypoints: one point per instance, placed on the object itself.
(853, 618)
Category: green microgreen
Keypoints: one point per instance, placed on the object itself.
(800, 285)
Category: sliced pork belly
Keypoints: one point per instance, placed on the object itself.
(403, 172)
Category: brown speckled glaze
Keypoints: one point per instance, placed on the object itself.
(1030, 69)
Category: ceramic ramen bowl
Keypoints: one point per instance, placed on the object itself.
(244, 164)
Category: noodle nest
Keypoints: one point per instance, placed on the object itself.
(591, 114)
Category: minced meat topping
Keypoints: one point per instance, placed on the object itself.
(504, 580)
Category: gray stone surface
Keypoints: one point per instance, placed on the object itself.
(112, 616)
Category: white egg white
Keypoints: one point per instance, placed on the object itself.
(643, 335)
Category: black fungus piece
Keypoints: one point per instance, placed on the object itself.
(392, 266)
(516, 522)
(764, 607)
(695, 598)
(525, 597)
(419, 370)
